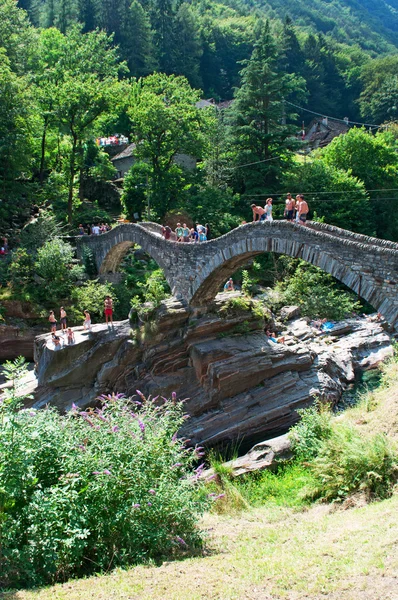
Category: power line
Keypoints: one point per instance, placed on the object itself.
(311, 193)
(332, 118)
(256, 162)
(308, 196)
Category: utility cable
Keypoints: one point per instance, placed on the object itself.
(332, 118)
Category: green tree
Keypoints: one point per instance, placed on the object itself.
(334, 194)
(188, 48)
(258, 125)
(373, 159)
(88, 88)
(137, 45)
(165, 122)
(379, 94)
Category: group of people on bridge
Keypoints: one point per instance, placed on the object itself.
(94, 229)
(183, 233)
(296, 210)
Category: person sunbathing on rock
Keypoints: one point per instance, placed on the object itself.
(272, 337)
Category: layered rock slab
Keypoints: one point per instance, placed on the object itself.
(239, 386)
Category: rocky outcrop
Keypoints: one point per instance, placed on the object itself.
(239, 385)
(17, 341)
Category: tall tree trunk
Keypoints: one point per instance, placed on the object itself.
(72, 172)
(43, 151)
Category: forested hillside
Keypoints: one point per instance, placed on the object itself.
(73, 71)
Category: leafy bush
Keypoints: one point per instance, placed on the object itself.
(56, 264)
(91, 296)
(349, 461)
(316, 293)
(314, 427)
(94, 489)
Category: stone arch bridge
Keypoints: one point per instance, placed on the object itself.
(195, 272)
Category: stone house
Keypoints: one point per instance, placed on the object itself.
(321, 131)
(125, 159)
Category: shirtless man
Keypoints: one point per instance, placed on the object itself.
(302, 210)
(289, 210)
(259, 213)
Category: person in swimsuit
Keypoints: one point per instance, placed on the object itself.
(71, 337)
(108, 309)
(63, 319)
(87, 321)
(259, 213)
(53, 321)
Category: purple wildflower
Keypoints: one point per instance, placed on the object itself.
(180, 540)
(185, 417)
(214, 476)
(137, 402)
(82, 448)
(176, 465)
(74, 407)
(140, 394)
(149, 503)
(141, 426)
(107, 472)
(199, 469)
(96, 472)
(115, 428)
(219, 496)
(212, 495)
(174, 438)
(136, 505)
(173, 396)
(155, 398)
(151, 492)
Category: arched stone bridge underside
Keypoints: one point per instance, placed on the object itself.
(368, 266)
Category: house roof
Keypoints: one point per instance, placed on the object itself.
(126, 153)
(325, 131)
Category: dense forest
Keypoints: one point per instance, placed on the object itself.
(75, 70)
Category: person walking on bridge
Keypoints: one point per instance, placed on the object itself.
(259, 213)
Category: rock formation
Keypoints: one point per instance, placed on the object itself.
(239, 385)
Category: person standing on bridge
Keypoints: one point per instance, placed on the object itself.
(302, 210)
(289, 209)
(268, 210)
(185, 233)
(179, 232)
(108, 309)
(259, 213)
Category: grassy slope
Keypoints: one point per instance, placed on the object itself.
(277, 552)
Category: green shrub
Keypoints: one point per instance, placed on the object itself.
(91, 296)
(94, 489)
(314, 427)
(349, 461)
(316, 293)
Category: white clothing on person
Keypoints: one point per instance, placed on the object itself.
(96, 230)
(268, 212)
